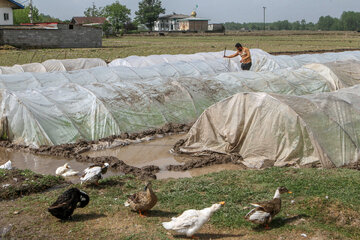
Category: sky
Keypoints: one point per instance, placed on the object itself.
(218, 11)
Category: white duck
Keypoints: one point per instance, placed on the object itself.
(190, 221)
(93, 173)
(65, 171)
(7, 165)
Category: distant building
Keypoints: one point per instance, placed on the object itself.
(216, 27)
(6, 11)
(168, 22)
(88, 21)
(181, 22)
(194, 24)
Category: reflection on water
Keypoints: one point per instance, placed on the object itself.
(154, 152)
(43, 164)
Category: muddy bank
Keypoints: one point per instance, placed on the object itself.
(204, 160)
(152, 155)
(146, 172)
(158, 152)
(17, 183)
(76, 150)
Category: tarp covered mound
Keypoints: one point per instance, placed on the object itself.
(62, 107)
(341, 73)
(55, 65)
(269, 129)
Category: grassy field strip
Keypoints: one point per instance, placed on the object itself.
(325, 206)
(283, 41)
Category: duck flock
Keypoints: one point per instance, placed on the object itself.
(188, 223)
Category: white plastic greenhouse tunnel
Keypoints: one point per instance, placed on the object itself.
(262, 61)
(51, 108)
(55, 65)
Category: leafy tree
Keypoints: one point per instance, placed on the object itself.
(22, 15)
(282, 25)
(149, 11)
(48, 18)
(303, 24)
(93, 11)
(325, 23)
(107, 29)
(296, 25)
(310, 26)
(350, 21)
(117, 14)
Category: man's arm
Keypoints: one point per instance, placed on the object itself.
(233, 55)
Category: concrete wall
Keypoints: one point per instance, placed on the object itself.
(63, 37)
(9, 11)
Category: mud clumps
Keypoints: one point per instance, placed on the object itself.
(75, 150)
(147, 172)
(354, 165)
(207, 160)
(177, 146)
(203, 160)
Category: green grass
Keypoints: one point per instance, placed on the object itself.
(23, 182)
(334, 217)
(274, 41)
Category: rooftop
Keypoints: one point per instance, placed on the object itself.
(87, 20)
(17, 5)
(194, 19)
(174, 16)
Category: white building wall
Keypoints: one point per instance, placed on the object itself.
(10, 12)
(166, 25)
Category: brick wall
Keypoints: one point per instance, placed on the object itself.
(63, 37)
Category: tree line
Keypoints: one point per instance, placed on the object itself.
(349, 21)
(118, 19)
(117, 15)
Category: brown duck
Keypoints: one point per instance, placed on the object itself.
(264, 212)
(142, 201)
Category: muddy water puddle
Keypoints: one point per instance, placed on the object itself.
(157, 152)
(44, 164)
(152, 152)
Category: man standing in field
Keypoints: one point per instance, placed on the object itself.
(244, 54)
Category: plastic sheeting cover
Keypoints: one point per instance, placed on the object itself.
(55, 65)
(261, 60)
(269, 129)
(62, 107)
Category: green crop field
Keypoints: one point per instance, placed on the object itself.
(144, 45)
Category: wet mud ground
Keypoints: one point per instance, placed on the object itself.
(157, 152)
(145, 156)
